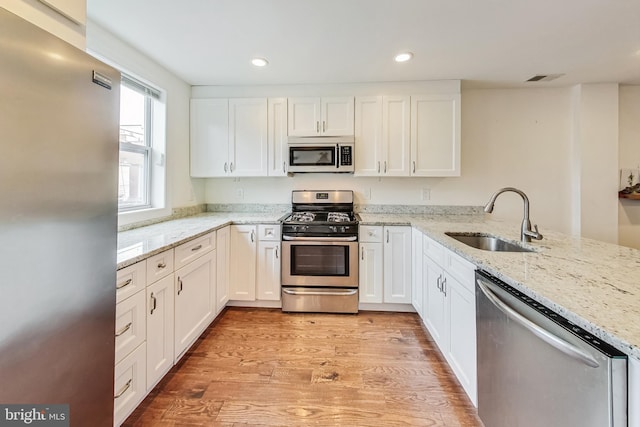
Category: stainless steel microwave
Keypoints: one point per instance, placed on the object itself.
(321, 154)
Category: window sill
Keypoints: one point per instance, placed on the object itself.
(130, 217)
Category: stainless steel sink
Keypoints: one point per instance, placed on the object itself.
(487, 242)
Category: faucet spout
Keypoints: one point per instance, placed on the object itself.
(526, 233)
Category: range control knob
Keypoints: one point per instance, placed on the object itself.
(343, 229)
(333, 228)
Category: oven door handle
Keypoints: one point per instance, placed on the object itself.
(321, 239)
(331, 293)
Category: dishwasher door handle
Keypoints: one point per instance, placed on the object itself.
(546, 336)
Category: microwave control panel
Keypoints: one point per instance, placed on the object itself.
(346, 156)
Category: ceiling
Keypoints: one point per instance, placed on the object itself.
(482, 42)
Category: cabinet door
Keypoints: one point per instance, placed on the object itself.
(461, 353)
(248, 137)
(242, 284)
(435, 135)
(268, 276)
(395, 135)
(397, 264)
(159, 330)
(278, 154)
(435, 318)
(304, 116)
(371, 274)
(209, 137)
(368, 136)
(337, 116)
(223, 250)
(194, 301)
(417, 298)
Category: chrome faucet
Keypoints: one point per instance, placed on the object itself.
(526, 233)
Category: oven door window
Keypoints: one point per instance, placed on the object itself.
(312, 156)
(320, 260)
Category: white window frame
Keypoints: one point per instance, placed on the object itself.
(153, 149)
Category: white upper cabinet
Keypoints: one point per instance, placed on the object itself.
(382, 136)
(314, 116)
(229, 137)
(435, 135)
(248, 137)
(209, 137)
(277, 137)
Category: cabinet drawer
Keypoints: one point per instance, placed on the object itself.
(194, 249)
(269, 232)
(130, 329)
(433, 250)
(129, 383)
(159, 266)
(461, 269)
(370, 233)
(130, 280)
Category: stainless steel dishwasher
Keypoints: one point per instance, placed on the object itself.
(536, 368)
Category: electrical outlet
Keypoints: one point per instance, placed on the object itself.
(366, 193)
(239, 193)
(426, 194)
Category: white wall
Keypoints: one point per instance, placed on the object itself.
(181, 189)
(629, 158)
(594, 143)
(511, 137)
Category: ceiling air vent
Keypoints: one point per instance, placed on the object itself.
(544, 77)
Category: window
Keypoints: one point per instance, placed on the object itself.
(137, 142)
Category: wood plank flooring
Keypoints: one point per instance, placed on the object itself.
(261, 367)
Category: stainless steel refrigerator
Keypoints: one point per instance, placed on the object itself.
(59, 113)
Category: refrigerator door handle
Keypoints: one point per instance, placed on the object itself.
(546, 336)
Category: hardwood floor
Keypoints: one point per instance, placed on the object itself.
(260, 367)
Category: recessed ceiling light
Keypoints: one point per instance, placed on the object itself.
(259, 62)
(403, 57)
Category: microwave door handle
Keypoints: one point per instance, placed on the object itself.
(337, 156)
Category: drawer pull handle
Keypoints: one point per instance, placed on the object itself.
(125, 283)
(179, 285)
(196, 248)
(153, 302)
(124, 389)
(125, 329)
(162, 265)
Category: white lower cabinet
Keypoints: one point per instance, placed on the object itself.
(160, 322)
(255, 263)
(450, 310)
(223, 251)
(417, 298)
(160, 313)
(195, 301)
(268, 277)
(242, 270)
(370, 274)
(385, 264)
(397, 264)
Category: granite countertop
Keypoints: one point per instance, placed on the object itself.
(594, 284)
(144, 242)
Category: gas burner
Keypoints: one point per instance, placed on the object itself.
(339, 217)
(302, 216)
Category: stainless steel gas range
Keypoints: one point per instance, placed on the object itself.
(320, 253)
